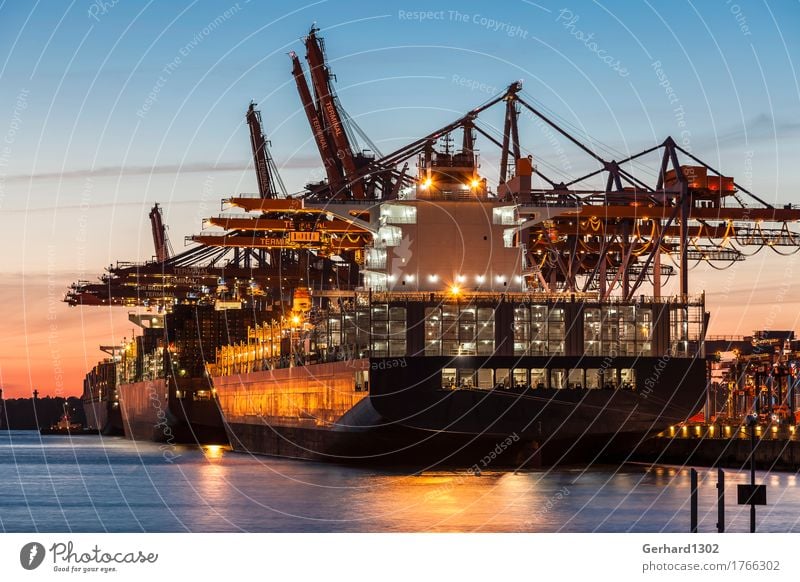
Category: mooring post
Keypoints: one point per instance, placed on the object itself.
(720, 500)
(752, 494)
(693, 499)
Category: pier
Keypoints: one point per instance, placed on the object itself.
(710, 445)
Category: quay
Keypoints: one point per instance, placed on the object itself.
(718, 445)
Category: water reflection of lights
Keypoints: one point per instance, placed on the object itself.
(213, 452)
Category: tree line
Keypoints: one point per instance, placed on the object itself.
(35, 413)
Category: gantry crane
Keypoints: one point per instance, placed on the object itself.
(270, 183)
(632, 232)
(336, 182)
(636, 231)
(351, 172)
(329, 112)
(160, 241)
(204, 272)
(260, 153)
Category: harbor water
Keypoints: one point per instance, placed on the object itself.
(109, 484)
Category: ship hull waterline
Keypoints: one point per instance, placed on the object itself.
(151, 411)
(406, 418)
(104, 416)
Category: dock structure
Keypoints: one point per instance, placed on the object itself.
(715, 445)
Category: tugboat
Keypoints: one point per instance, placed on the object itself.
(65, 427)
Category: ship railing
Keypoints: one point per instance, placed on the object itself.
(343, 290)
(556, 201)
(468, 296)
(314, 203)
(362, 297)
(357, 202)
(246, 195)
(669, 299)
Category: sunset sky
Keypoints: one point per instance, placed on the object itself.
(108, 107)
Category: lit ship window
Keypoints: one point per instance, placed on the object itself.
(450, 331)
(510, 238)
(375, 258)
(398, 214)
(521, 379)
(505, 215)
(376, 281)
(389, 236)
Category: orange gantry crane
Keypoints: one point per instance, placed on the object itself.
(656, 214)
(234, 264)
(160, 240)
(661, 212)
(287, 224)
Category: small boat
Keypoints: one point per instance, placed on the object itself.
(65, 426)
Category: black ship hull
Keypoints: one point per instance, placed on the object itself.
(104, 417)
(153, 412)
(408, 418)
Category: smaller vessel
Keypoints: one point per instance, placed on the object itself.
(65, 426)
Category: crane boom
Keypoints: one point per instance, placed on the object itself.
(159, 234)
(335, 177)
(259, 145)
(320, 77)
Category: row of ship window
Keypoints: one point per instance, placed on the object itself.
(538, 378)
(470, 330)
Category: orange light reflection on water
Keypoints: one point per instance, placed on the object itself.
(441, 501)
(214, 452)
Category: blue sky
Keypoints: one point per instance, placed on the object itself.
(85, 71)
(86, 160)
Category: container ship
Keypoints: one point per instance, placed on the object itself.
(154, 387)
(443, 354)
(164, 393)
(100, 397)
